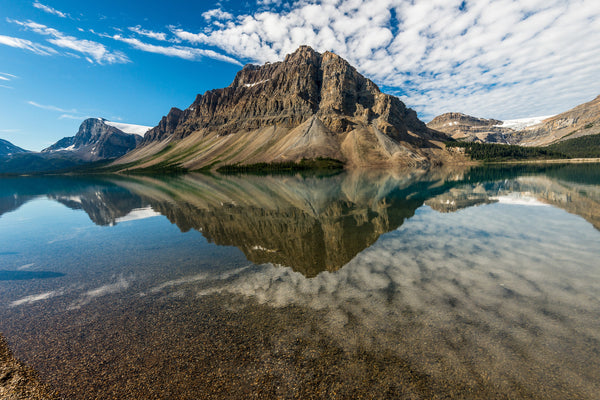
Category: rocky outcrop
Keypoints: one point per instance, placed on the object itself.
(7, 148)
(96, 140)
(277, 111)
(470, 129)
(165, 127)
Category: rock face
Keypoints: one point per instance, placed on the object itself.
(309, 105)
(96, 140)
(470, 129)
(580, 121)
(8, 149)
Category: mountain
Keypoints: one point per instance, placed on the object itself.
(310, 105)
(467, 128)
(580, 121)
(99, 139)
(7, 148)
(96, 140)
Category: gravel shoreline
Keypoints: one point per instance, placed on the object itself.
(18, 381)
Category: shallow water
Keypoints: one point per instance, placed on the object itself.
(440, 284)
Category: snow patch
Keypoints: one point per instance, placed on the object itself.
(129, 128)
(258, 247)
(522, 123)
(255, 83)
(138, 213)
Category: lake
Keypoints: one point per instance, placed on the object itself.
(480, 283)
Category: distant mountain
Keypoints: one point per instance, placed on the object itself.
(7, 148)
(467, 128)
(99, 139)
(310, 105)
(96, 140)
(580, 121)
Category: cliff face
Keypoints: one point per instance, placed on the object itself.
(308, 105)
(95, 141)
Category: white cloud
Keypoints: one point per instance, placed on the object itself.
(49, 9)
(7, 74)
(148, 33)
(50, 107)
(27, 45)
(216, 13)
(187, 53)
(502, 58)
(75, 117)
(96, 52)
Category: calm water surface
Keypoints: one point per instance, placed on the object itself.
(441, 284)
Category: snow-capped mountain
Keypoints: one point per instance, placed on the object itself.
(99, 139)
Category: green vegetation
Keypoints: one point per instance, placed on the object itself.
(583, 147)
(316, 164)
(491, 152)
(160, 168)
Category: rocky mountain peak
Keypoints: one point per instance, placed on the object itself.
(290, 92)
(304, 55)
(456, 118)
(96, 140)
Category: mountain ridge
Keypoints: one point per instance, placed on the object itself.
(7, 148)
(581, 120)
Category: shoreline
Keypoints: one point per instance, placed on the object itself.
(550, 161)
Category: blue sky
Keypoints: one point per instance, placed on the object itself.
(64, 60)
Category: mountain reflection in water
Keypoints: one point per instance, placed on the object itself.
(310, 224)
(438, 284)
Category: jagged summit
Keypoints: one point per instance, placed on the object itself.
(96, 139)
(267, 107)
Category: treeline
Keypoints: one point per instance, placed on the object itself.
(583, 147)
(317, 164)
